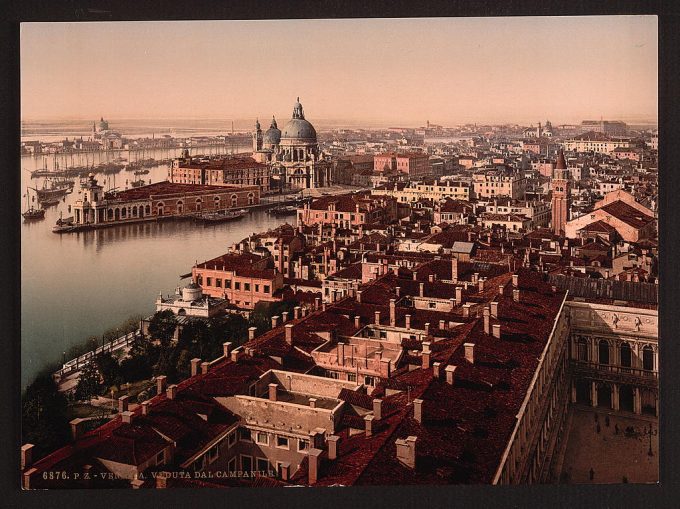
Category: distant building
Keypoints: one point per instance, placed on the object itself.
(609, 127)
(490, 183)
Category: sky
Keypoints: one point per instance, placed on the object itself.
(397, 71)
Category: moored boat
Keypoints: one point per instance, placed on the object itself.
(219, 217)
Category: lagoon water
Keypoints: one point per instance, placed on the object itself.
(80, 284)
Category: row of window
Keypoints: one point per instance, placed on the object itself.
(626, 354)
(280, 441)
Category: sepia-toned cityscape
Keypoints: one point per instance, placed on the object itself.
(339, 252)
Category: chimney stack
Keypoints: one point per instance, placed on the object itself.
(289, 333)
(161, 383)
(430, 278)
(393, 312)
(487, 328)
(377, 409)
(76, 427)
(194, 366)
(296, 312)
(422, 289)
(427, 329)
(333, 446)
(314, 458)
(323, 307)
(406, 451)
(251, 333)
(377, 317)
(415, 275)
(450, 371)
(145, 408)
(515, 280)
(205, 366)
(317, 303)
(284, 471)
(408, 321)
(466, 309)
(359, 296)
(341, 354)
(128, 417)
(272, 392)
(226, 349)
(123, 404)
(312, 402)
(497, 331)
(418, 410)
(357, 321)
(442, 324)
(436, 366)
(481, 282)
(398, 290)
(369, 424)
(284, 317)
(275, 321)
(171, 391)
(26, 456)
(469, 352)
(494, 309)
(501, 289)
(515, 295)
(454, 270)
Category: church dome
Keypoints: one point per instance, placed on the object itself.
(272, 136)
(297, 127)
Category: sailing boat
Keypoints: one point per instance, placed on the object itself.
(31, 212)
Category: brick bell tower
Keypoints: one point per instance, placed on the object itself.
(561, 195)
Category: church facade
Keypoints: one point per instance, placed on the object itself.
(293, 154)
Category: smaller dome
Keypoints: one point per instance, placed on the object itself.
(191, 292)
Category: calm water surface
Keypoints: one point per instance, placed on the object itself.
(80, 284)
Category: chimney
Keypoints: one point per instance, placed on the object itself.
(323, 306)
(333, 446)
(359, 296)
(195, 362)
(475, 277)
(436, 369)
(289, 333)
(317, 302)
(494, 309)
(425, 359)
(296, 312)
(377, 317)
(171, 391)
(515, 295)
(312, 402)
(496, 330)
(236, 355)
(145, 408)
(369, 424)
(284, 470)
(272, 392)
(450, 371)
(357, 321)
(284, 317)
(466, 309)
(26, 456)
(459, 295)
(76, 428)
(205, 366)
(123, 404)
(406, 451)
(469, 352)
(313, 456)
(398, 290)
(422, 289)
(415, 275)
(226, 349)
(515, 280)
(427, 329)
(418, 410)
(481, 282)
(408, 321)
(377, 409)
(442, 324)
(454, 270)
(275, 321)
(487, 328)
(501, 289)
(251, 333)
(341, 354)
(430, 278)
(393, 312)
(161, 384)
(128, 417)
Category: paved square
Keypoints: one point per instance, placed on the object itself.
(611, 456)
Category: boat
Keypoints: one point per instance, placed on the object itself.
(56, 189)
(49, 202)
(64, 225)
(222, 216)
(287, 210)
(137, 183)
(31, 212)
(141, 172)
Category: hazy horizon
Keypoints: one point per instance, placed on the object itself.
(399, 72)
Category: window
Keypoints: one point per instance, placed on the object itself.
(160, 458)
(369, 380)
(231, 466)
(432, 305)
(245, 435)
(647, 358)
(282, 442)
(231, 439)
(604, 352)
(582, 347)
(262, 438)
(257, 288)
(237, 285)
(208, 281)
(213, 453)
(333, 374)
(246, 287)
(218, 283)
(626, 357)
(262, 464)
(227, 283)
(246, 463)
(351, 377)
(266, 288)
(303, 445)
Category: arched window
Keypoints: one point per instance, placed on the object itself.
(234, 200)
(582, 349)
(216, 202)
(199, 204)
(117, 214)
(604, 352)
(626, 356)
(160, 208)
(109, 214)
(648, 358)
(180, 207)
(251, 198)
(147, 210)
(134, 211)
(123, 213)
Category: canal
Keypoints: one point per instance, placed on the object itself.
(79, 285)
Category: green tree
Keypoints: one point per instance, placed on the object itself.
(162, 326)
(109, 369)
(44, 421)
(89, 383)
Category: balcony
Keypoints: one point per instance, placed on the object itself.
(617, 374)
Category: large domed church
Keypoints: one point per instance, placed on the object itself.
(293, 154)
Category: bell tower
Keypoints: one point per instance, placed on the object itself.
(561, 195)
(257, 137)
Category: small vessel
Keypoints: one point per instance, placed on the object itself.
(222, 216)
(49, 202)
(64, 225)
(141, 172)
(287, 210)
(31, 212)
(56, 189)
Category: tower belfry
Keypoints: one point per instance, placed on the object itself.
(561, 195)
